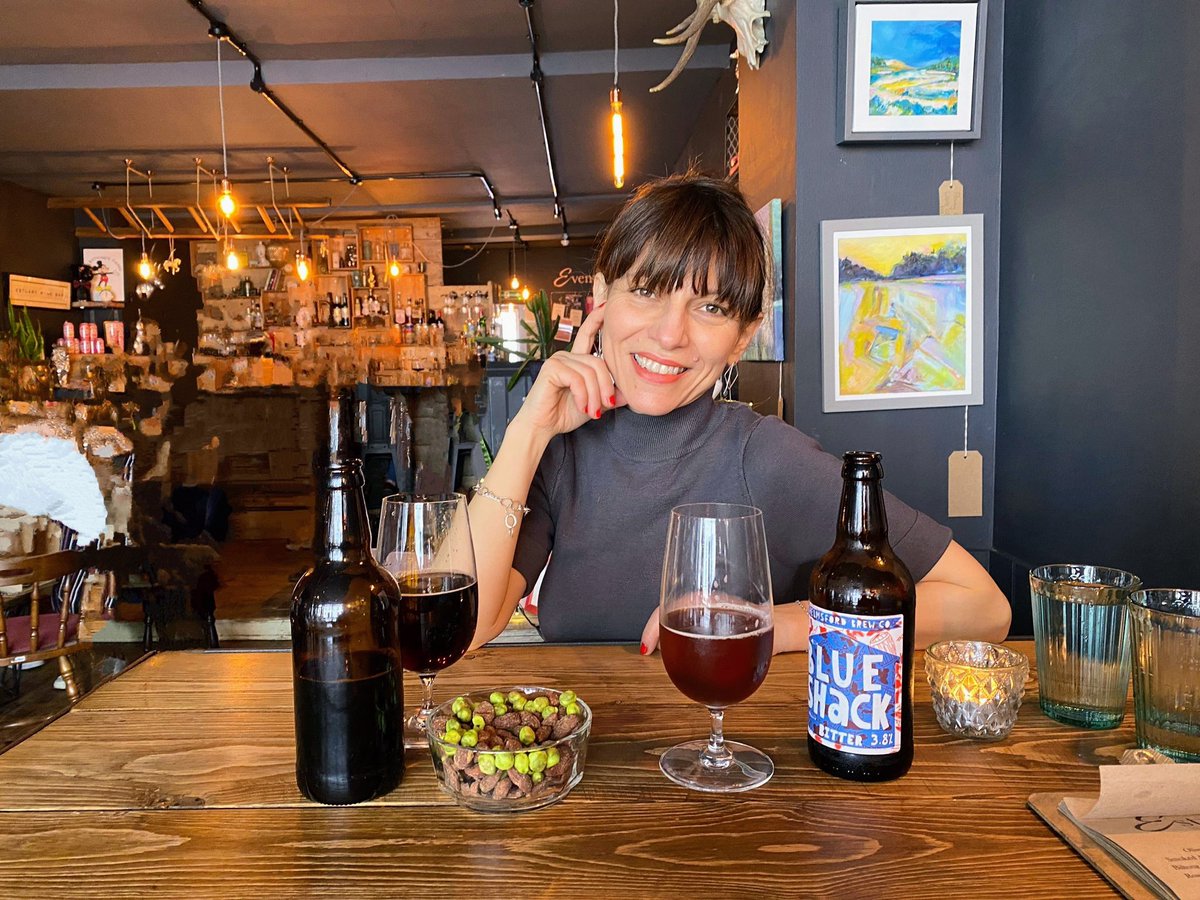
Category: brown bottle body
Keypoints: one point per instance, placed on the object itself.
(346, 674)
(862, 607)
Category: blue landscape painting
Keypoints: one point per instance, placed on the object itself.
(915, 67)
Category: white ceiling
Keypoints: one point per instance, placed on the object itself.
(391, 85)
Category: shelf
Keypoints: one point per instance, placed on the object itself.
(92, 304)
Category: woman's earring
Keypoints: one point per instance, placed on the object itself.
(599, 351)
(728, 379)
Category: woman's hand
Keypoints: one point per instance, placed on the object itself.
(573, 386)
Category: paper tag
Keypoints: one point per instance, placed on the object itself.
(950, 198)
(965, 483)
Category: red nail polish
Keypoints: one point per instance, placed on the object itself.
(597, 414)
(613, 399)
(643, 649)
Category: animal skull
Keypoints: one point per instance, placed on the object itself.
(745, 17)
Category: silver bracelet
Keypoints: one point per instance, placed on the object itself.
(511, 506)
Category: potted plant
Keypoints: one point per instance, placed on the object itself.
(30, 344)
(34, 375)
(537, 345)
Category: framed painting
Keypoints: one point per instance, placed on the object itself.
(902, 312)
(767, 343)
(912, 70)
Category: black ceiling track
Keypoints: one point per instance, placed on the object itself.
(222, 32)
(537, 77)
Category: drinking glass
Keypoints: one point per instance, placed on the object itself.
(425, 542)
(1081, 634)
(716, 633)
(1166, 658)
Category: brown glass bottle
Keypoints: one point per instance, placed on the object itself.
(860, 656)
(346, 673)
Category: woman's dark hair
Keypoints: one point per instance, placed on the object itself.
(683, 229)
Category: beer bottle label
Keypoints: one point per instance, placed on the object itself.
(855, 676)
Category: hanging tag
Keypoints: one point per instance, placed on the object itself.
(950, 198)
(964, 471)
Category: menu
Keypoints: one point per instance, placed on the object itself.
(1148, 819)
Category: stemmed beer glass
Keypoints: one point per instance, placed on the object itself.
(716, 633)
(425, 542)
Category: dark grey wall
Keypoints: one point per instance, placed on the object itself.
(1100, 374)
(869, 180)
(705, 148)
(34, 241)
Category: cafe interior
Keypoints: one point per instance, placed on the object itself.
(213, 214)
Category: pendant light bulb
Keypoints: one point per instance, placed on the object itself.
(301, 266)
(226, 202)
(515, 283)
(394, 269)
(525, 292)
(145, 267)
(232, 262)
(618, 138)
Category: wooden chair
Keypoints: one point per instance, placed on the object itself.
(35, 636)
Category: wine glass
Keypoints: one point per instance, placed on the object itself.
(716, 633)
(425, 542)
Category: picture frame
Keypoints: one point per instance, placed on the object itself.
(767, 343)
(902, 312)
(911, 70)
(108, 284)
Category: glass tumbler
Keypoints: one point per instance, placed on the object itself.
(1080, 625)
(1166, 671)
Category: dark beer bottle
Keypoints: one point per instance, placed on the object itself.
(860, 648)
(346, 673)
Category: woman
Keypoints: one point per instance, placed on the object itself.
(621, 429)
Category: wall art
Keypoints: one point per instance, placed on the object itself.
(912, 70)
(902, 312)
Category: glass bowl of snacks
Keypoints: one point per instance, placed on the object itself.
(510, 750)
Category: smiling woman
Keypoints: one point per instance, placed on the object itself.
(623, 428)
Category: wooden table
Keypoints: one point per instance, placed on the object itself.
(178, 778)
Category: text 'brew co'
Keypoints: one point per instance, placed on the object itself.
(346, 674)
(860, 655)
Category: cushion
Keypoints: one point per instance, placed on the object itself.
(18, 632)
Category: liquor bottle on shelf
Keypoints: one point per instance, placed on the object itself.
(862, 603)
(346, 672)
(329, 310)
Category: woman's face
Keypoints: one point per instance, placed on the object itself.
(666, 350)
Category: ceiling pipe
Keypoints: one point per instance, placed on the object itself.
(537, 77)
(221, 31)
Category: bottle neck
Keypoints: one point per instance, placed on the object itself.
(862, 519)
(344, 532)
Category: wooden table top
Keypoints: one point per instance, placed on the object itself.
(178, 778)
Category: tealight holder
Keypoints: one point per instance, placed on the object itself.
(977, 687)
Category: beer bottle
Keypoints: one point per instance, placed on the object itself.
(346, 674)
(860, 648)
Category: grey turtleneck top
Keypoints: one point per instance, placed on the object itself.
(603, 494)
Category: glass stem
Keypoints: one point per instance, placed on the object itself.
(427, 699)
(716, 755)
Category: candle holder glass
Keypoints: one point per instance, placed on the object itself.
(976, 686)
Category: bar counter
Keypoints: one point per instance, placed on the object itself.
(178, 779)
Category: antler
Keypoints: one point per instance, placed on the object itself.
(688, 30)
